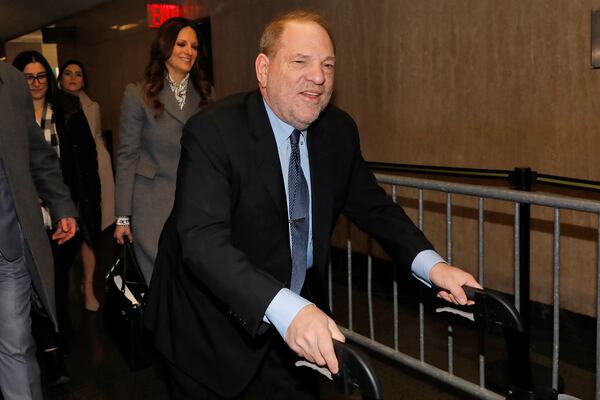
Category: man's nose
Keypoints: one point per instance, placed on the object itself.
(316, 74)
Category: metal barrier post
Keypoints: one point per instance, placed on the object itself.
(497, 372)
(523, 179)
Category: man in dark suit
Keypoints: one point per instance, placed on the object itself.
(262, 180)
(29, 170)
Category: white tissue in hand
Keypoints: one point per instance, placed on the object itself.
(463, 314)
(322, 370)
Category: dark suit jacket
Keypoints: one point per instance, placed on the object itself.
(33, 172)
(225, 250)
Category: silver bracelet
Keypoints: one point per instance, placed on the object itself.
(123, 221)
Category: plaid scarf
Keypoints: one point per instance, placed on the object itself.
(48, 125)
(179, 90)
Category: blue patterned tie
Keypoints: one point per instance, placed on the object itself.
(298, 209)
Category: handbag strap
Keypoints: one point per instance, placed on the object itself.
(128, 248)
(122, 261)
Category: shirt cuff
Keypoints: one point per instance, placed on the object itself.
(423, 263)
(283, 309)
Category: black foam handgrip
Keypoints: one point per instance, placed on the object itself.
(495, 308)
(491, 307)
(355, 372)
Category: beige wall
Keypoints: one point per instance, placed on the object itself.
(467, 83)
(487, 84)
(464, 83)
(13, 49)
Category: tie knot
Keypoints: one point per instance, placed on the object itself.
(295, 137)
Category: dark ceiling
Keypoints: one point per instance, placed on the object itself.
(19, 17)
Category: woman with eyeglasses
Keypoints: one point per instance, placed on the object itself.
(65, 128)
(153, 113)
(73, 79)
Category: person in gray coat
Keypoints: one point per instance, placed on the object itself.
(153, 113)
(29, 170)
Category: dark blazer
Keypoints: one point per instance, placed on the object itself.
(33, 172)
(225, 250)
(79, 163)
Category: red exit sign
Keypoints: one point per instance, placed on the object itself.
(159, 13)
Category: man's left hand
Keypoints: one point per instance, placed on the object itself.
(452, 279)
(65, 229)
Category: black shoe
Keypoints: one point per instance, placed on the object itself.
(57, 371)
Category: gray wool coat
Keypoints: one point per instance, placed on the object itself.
(147, 159)
(33, 172)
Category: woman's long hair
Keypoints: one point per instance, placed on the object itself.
(32, 56)
(160, 52)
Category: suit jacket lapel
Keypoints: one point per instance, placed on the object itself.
(321, 191)
(266, 155)
(269, 167)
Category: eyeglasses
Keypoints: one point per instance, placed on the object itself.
(41, 78)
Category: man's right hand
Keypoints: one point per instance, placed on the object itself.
(121, 231)
(66, 228)
(310, 336)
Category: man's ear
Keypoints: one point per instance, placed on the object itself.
(262, 69)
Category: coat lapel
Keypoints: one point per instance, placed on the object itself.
(265, 150)
(192, 100)
(171, 107)
(6, 124)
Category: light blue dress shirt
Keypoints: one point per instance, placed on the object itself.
(286, 304)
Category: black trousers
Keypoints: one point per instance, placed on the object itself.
(64, 257)
(276, 379)
(42, 328)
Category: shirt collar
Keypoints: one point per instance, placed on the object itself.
(281, 129)
(181, 84)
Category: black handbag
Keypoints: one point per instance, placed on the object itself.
(123, 309)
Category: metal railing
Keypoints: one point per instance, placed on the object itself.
(520, 199)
